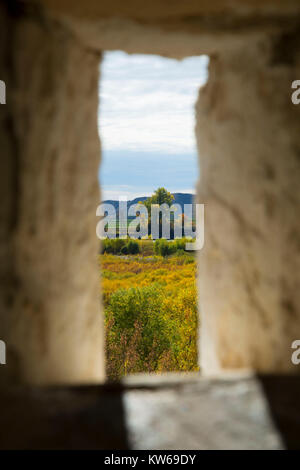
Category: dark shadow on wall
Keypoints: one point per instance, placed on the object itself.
(283, 395)
(93, 417)
(87, 417)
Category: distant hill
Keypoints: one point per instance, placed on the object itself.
(179, 198)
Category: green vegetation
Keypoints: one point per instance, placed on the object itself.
(118, 246)
(160, 196)
(149, 295)
(150, 313)
(161, 247)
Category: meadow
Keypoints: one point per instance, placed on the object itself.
(150, 310)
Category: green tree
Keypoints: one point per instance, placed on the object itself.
(137, 327)
(160, 196)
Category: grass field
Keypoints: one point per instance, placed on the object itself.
(150, 312)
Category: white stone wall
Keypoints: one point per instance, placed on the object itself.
(249, 142)
(248, 139)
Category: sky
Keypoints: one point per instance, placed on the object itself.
(146, 123)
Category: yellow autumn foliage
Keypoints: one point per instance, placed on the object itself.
(151, 313)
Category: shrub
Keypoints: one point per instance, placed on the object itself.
(164, 248)
(129, 310)
(124, 250)
(113, 245)
(133, 247)
(180, 244)
(106, 246)
(119, 243)
(151, 314)
(117, 246)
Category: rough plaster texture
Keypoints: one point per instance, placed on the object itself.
(248, 137)
(225, 414)
(249, 142)
(190, 12)
(55, 324)
(155, 413)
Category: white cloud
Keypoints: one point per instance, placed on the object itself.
(146, 102)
